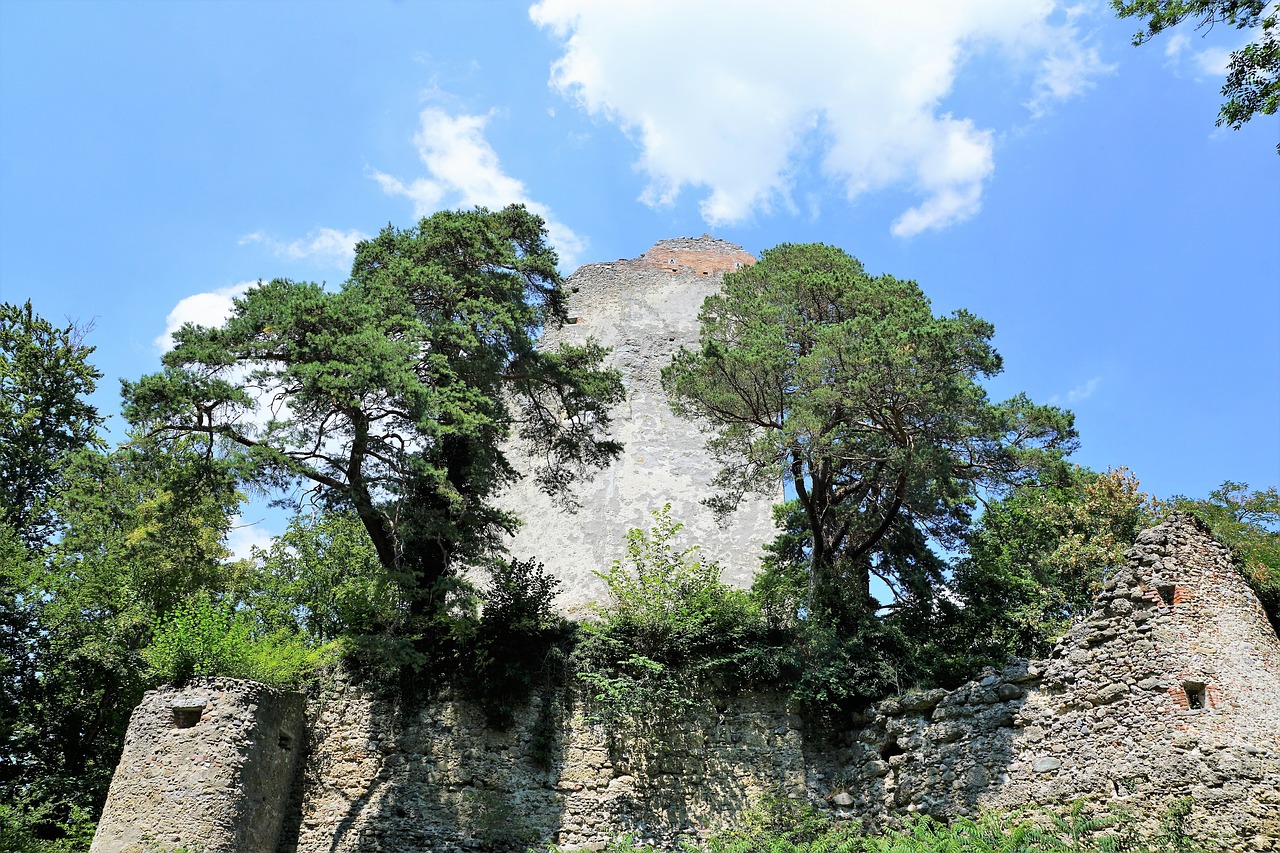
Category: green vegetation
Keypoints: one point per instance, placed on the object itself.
(671, 629)
(44, 376)
(1035, 562)
(1252, 86)
(846, 387)
(204, 638)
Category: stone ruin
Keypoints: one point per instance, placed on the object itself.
(203, 768)
(1169, 690)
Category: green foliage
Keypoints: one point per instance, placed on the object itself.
(1252, 86)
(671, 625)
(781, 825)
(322, 578)
(45, 375)
(846, 386)
(44, 827)
(204, 637)
(1248, 522)
(1035, 562)
(778, 822)
(850, 667)
(141, 531)
(400, 391)
(518, 643)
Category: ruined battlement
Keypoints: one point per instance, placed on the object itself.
(1169, 690)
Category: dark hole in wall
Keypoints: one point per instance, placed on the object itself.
(1197, 696)
(186, 716)
(286, 740)
(890, 748)
(1166, 593)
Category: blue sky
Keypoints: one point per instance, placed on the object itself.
(1018, 158)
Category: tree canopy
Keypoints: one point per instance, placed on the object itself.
(394, 396)
(1037, 560)
(45, 376)
(846, 386)
(1252, 86)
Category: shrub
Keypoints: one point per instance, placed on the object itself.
(204, 637)
(671, 625)
(516, 645)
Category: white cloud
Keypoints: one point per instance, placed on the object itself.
(210, 309)
(726, 96)
(327, 245)
(1077, 394)
(465, 171)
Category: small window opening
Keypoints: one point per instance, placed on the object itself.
(1197, 696)
(184, 717)
(574, 320)
(890, 749)
(1166, 593)
(286, 741)
(704, 272)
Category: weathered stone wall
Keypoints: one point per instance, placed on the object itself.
(644, 310)
(207, 768)
(1109, 717)
(440, 780)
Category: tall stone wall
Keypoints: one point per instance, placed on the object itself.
(205, 768)
(1170, 689)
(644, 310)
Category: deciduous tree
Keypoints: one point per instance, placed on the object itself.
(45, 376)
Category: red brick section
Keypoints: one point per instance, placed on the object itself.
(699, 261)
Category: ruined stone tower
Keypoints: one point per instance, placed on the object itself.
(644, 310)
(207, 768)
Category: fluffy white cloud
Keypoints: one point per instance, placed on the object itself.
(465, 171)
(728, 96)
(203, 309)
(326, 245)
